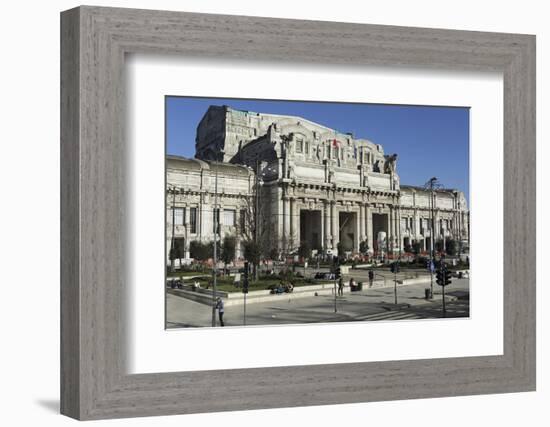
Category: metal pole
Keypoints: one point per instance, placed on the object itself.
(215, 267)
(443, 294)
(173, 241)
(443, 290)
(335, 289)
(395, 284)
(244, 318)
(432, 235)
(256, 213)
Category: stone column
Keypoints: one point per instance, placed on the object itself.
(292, 228)
(322, 222)
(286, 221)
(415, 228)
(370, 236)
(201, 220)
(389, 237)
(437, 231)
(335, 225)
(361, 222)
(186, 249)
(296, 220)
(238, 232)
(357, 230)
(326, 219)
(456, 226)
(398, 228)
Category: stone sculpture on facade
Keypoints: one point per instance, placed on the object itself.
(390, 164)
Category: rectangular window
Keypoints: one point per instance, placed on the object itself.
(299, 145)
(193, 220)
(178, 215)
(228, 218)
(307, 147)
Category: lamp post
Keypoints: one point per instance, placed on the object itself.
(173, 240)
(215, 267)
(431, 185)
(216, 231)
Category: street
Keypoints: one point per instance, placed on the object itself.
(367, 305)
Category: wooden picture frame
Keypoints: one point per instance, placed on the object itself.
(94, 41)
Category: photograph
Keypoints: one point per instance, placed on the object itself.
(282, 212)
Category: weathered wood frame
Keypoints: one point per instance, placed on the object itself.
(94, 42)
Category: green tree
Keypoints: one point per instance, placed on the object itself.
(304, 251)
(201, 251)
(228, 250)
(274, 253)
(452, 247)
(252, 253)
(178, 250)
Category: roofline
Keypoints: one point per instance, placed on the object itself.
(441, 190)
(336, 131)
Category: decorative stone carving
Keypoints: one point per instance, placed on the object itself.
(390, 164)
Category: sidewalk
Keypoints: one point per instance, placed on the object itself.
(320, 309)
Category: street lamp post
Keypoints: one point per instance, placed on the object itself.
(215, 267)
(173, 241)
(431, 185)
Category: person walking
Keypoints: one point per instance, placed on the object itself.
(341, 287)
(371, 277)
(219, 307)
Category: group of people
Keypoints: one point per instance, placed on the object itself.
(353, 283)
(283, 287)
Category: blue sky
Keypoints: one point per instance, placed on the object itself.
(429, 141)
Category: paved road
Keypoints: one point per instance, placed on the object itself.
(368, 305)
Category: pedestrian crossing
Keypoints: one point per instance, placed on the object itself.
(391, 315)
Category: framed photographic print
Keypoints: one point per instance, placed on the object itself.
(316, 212)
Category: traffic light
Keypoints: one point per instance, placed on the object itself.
(443, 277)
(447, 277)
(440, 280)
(394, 267)
(338, 272)
(245, 280)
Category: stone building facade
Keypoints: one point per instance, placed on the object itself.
(301, 182)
